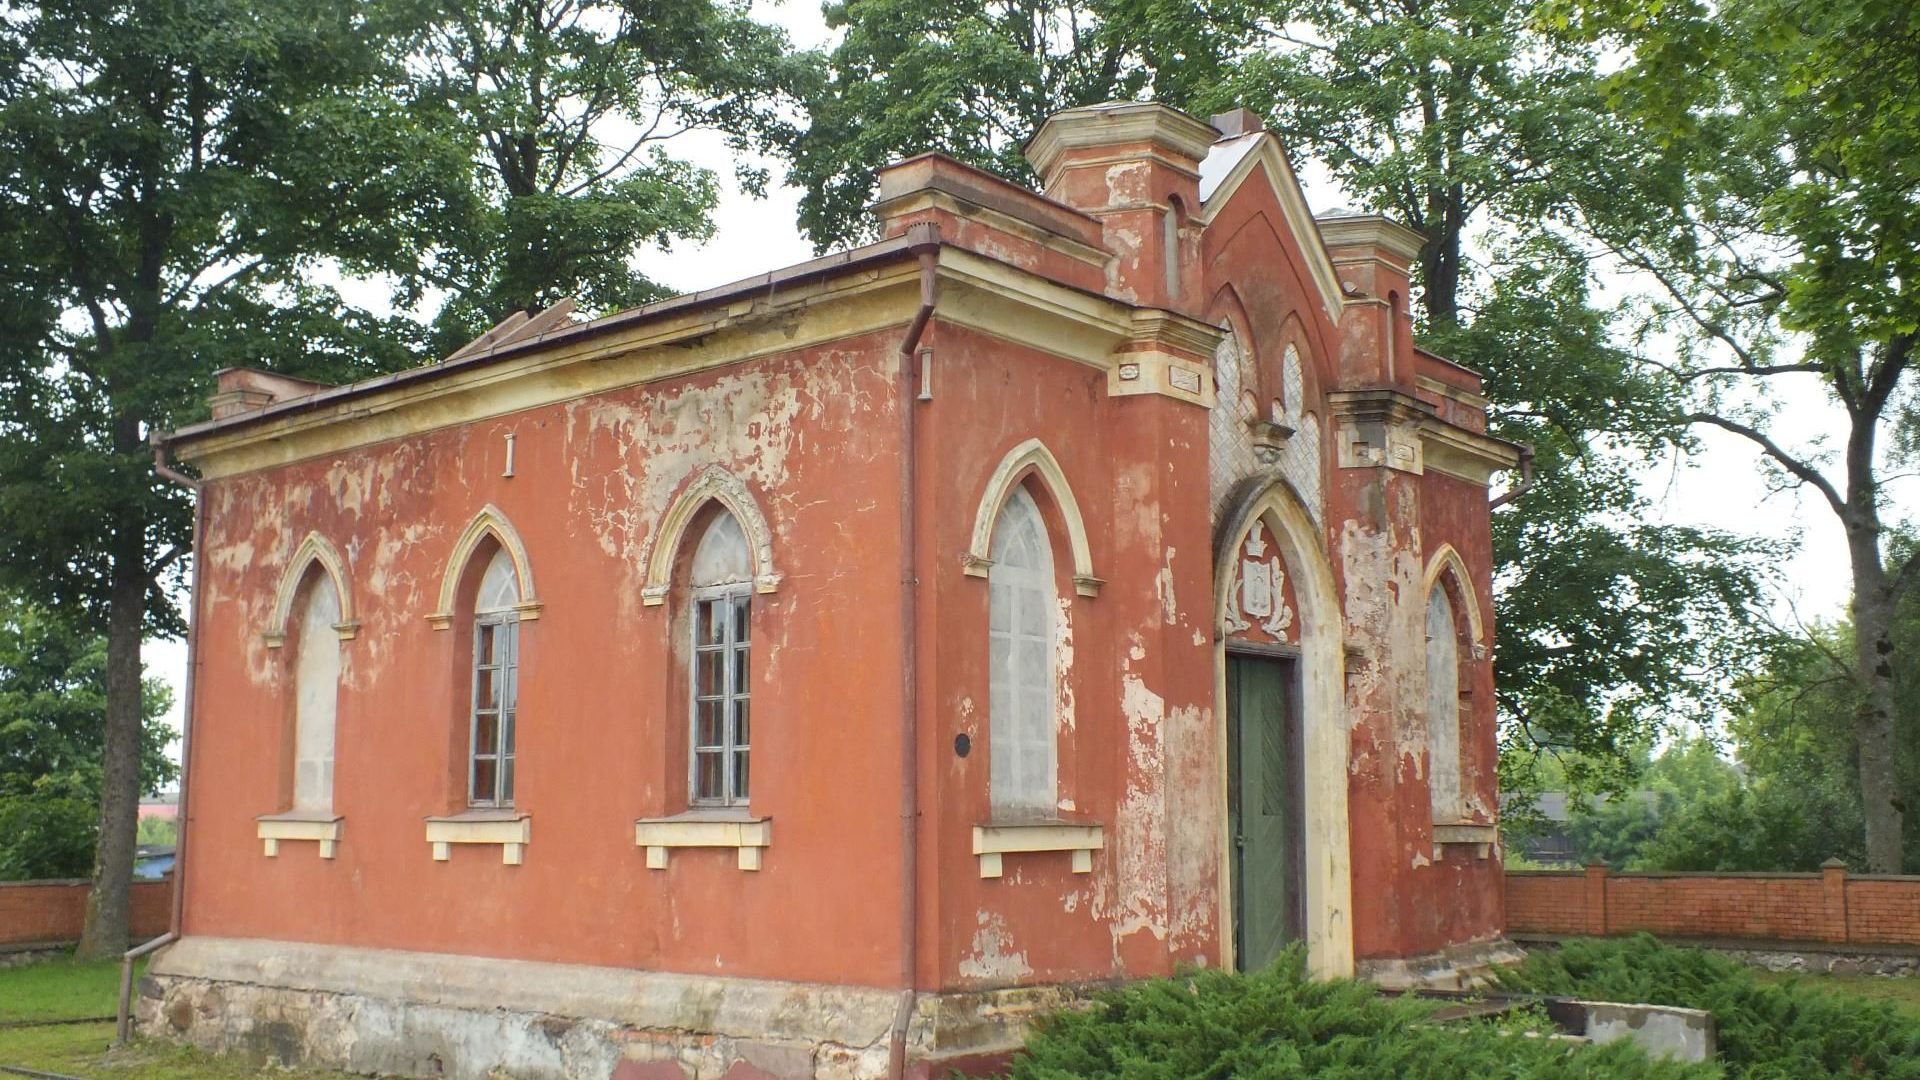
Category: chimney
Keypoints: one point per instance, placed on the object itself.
(1135, 166)
(242, 390)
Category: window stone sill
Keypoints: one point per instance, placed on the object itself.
(704, 829)
(1481, 837)
(298, 825)
(993, 840)
(511, 829)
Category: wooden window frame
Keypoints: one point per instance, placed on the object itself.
(504, 713)
(734, 691)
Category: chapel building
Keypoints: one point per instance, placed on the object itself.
(817, 675)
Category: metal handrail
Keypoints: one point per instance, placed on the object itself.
(124, 1027)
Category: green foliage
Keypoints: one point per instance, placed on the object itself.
(46, 834)
(52, 734)
(158, 832)
(1776, 226)
(975, 80)
(53, 703)
(1767, 1031)
(564, 111)
(1795, 800)
(1280, 1024)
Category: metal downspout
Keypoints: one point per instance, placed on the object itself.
(167, 472)
(926, 246)
(1526, 480)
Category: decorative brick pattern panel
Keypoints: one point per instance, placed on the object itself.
(36, 912)
(1831, 906)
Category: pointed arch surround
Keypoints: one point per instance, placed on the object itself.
(1327, 874)
(711, 484)
(1447, 562)
(489, 522)
(1031, 457)
(315, 549)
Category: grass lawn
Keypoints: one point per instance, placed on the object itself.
(1904, 993)
(63, 989)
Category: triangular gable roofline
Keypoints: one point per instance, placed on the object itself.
(1267, 150)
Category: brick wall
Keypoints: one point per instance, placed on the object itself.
(1831, 906)
(53, 911)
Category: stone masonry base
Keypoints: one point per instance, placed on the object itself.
(473, 1018)
(1458, 967)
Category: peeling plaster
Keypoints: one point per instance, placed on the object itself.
(991, 957)
(1163, 588)
(1139, 852)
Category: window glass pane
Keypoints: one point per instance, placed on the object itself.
(741, 674)
(709, 668)
(1443, 707)
(499, 590)
(722, 557)
(740, 775)
(316, 695)
(486, 733)
(486, 692)
(707, 777)
(742, 608)
(708, 715)
(1030, 613)
(1021, 603)
(483, 778)
(742, 726)
(506, 741)
(712, 628)
(506, 779)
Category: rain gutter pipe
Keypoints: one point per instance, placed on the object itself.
(124, 1026)
(924, 242)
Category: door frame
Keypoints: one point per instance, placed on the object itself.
(1325, 750)
(1296, 846)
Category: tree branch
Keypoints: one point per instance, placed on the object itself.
(1806, 473)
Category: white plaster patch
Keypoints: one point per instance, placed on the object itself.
(1063, 662)
(992, 958)
(1139, 850)
(1163, 588)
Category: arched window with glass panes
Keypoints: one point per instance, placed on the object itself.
(1443, 708)
(316, 693)
(1022, 608)
(721, 594)
(496, 684)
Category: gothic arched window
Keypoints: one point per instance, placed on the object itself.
(721, 580)
(1020, 632)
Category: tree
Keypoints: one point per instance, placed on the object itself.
(52, 703)
(567, 109)
(173, 176)
(1780, 227)
(975, 80)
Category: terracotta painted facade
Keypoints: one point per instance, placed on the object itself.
(1214, 403)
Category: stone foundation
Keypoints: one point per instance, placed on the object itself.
(1457, 967)
(472, 1018)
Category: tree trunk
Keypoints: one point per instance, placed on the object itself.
(109, 905)
(1440, 272)
(1873, 724)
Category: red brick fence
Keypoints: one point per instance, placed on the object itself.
(1831, 907)
(51, 912)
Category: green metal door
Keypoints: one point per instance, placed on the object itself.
(1263, 799)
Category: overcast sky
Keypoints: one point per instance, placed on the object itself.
(1726, 485)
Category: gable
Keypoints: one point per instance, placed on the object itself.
(1257, 161)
